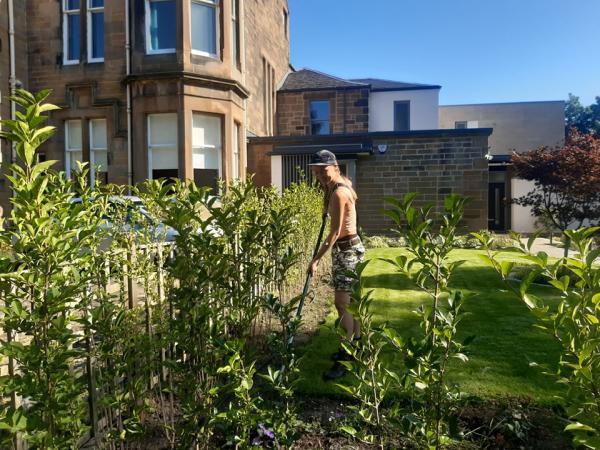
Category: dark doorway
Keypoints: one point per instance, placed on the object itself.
(497, 206)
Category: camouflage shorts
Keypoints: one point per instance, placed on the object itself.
(344, 261)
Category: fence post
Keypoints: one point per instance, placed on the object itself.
(131, 298)
(15, 400)
(89, 367)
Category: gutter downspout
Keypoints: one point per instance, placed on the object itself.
(13, 75)
(128, 93)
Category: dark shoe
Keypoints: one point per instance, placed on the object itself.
(341, 355)
(337, 371)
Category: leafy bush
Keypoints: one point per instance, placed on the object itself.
(429, 419)
(82, 346)
(574, 323)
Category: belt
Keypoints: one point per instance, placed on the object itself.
(347, 243)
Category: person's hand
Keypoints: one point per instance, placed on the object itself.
(312, 268)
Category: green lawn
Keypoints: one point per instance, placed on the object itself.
(506, 339)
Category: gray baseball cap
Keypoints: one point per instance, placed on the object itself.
(323, 158)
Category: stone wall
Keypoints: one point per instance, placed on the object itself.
(266, 40)
(431, 166)
(349, 111)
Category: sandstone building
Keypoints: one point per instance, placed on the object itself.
(148, 88)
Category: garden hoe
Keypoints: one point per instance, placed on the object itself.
(309, 276)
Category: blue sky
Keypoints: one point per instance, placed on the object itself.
(479, 51)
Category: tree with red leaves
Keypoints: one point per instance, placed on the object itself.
(567, 181)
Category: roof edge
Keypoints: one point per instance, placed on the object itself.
(332, 138)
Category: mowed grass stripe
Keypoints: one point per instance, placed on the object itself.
(506, 337)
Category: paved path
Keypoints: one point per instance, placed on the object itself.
(543, 245)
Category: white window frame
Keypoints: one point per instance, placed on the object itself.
(149, 50)
(66, 13)
(68, 168)
(219, 149)
(90, 11)
(151, 147)
(94, 149)
(216, 4)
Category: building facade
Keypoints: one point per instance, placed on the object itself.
(386, 138)
(518, 127)
(154, 88)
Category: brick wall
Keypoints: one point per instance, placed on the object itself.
(433, 167)
(259, 164)
(349, 111)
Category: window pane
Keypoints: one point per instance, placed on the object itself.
(236, 151)
(165, 158)
(206, 158)
(204, 31)
(401, 116)
(73, 36)
(319, 110)
(96, 3)
(97, 35)
(163, 129)
(206, 131)
(73, 135)
(72, 4)
(98, 134)
(207, 177)
(101, 159)
(73, 158)
(162, 25)
(319, 128)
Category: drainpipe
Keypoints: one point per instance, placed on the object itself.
(128, 72)
(13, 75)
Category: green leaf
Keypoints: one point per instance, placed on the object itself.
(577, 426)
(349, 430)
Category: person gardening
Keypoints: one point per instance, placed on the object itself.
(346, 247)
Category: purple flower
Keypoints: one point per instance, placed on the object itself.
(256, 441)
(339, 414)
(266, 431)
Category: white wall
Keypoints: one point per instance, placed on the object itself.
(522, 220)
(423, 109)
(277, 172)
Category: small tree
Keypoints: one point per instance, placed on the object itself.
(567, 181)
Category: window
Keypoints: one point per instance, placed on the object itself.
(235, 33)
(160, 26)
(206, 149)
(204, 27)
(235, 173)
(163, 157)
(460, 124)
(98, 151)
(73, 146)
(402, 116)
(71, 30)
(95, 30)
(286, 24)
(319, 117)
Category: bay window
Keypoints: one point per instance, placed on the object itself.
(207, 146)
(163, 154)
(204, 27)
(160, 26)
